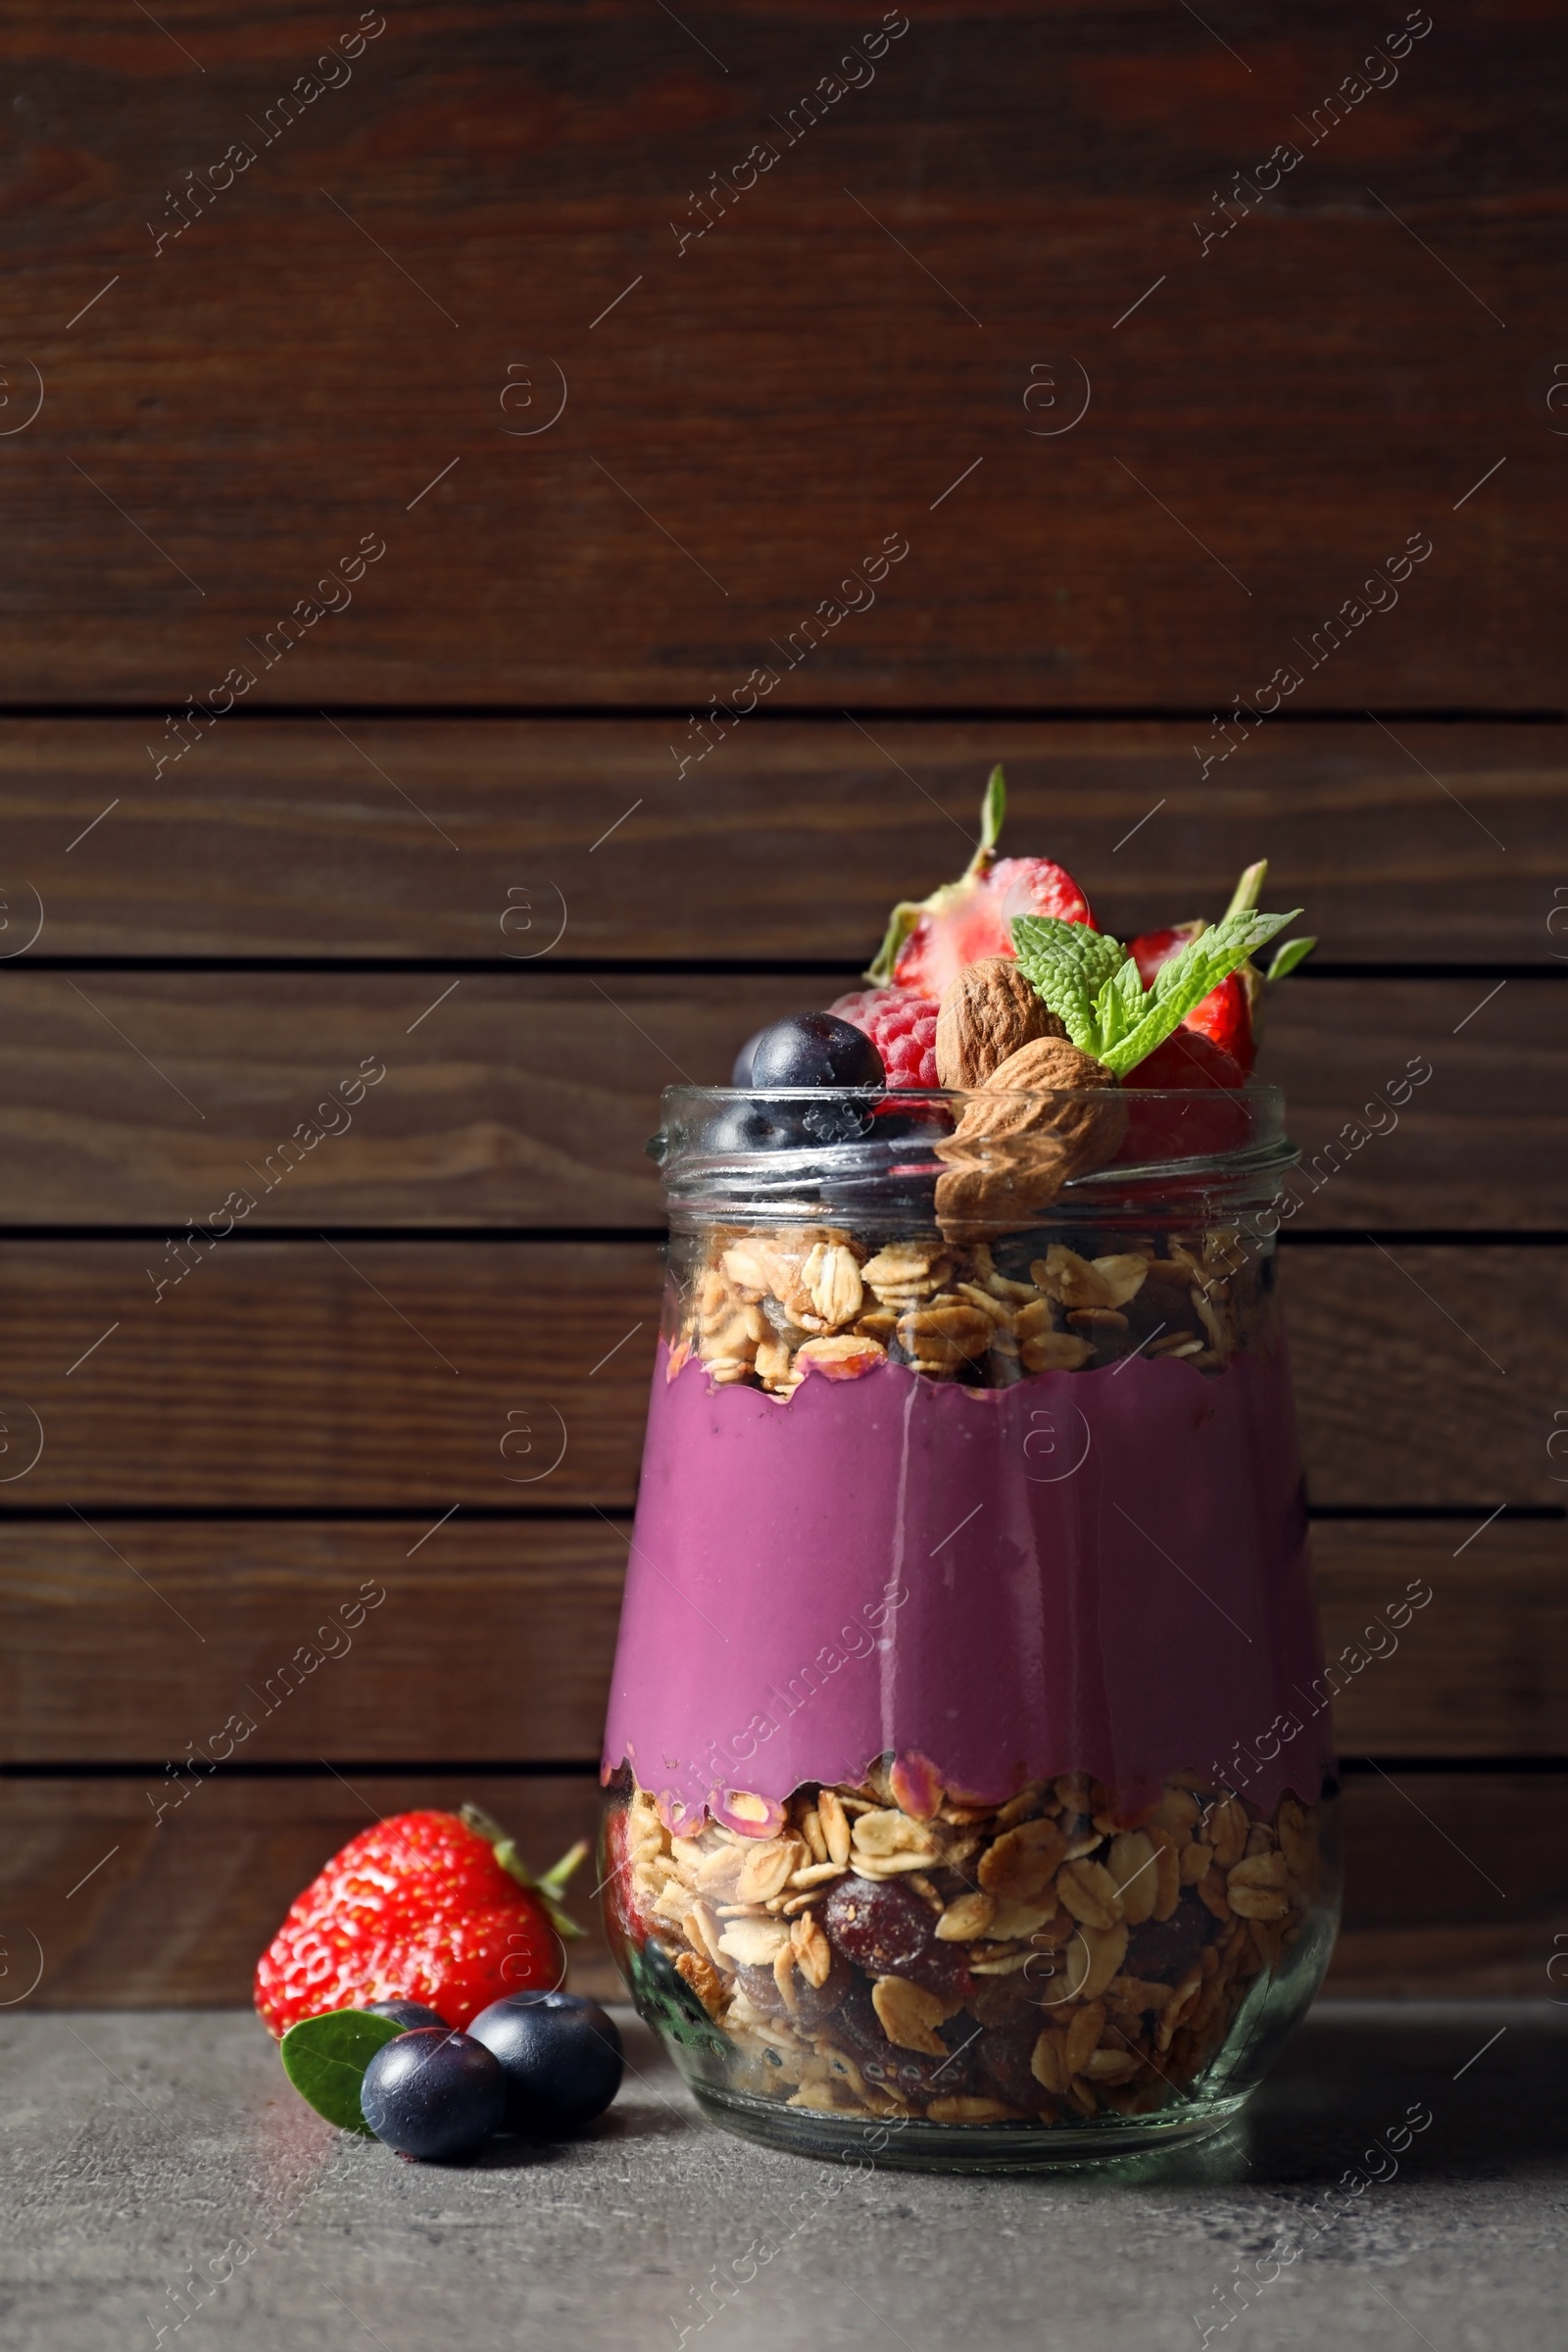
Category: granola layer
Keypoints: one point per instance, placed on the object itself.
(765, 1307)
(1062, 1956)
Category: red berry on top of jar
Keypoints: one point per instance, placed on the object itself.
(902, 1024)
(1231, 1015)
(930, 942)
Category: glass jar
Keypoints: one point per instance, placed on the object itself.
(971, 1799)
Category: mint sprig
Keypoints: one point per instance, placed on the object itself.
(1093, 985)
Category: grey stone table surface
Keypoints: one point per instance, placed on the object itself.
(160, 2184)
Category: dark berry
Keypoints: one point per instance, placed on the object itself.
(910, 2074)
(561, 2056)
(813, 2002)
(889, 1931)
(408, 2013)
(1005, 2059)
(433, 2093)
(749, 1127)
(815, 1048)
(741, 1074)
(1164, 1949)
(835, 1119)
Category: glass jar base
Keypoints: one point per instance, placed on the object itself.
(917, 2147)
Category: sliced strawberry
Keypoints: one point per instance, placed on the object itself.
(1225, 1014)
(929, 943)
(1152, 949)
(902, 1024)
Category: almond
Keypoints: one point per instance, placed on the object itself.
(986, 1014)
(1048, 1113)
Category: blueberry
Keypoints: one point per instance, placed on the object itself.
(833, 1120)
(741, 1074)
(912, 1126)
(408, 2013)
(561, 2056)
(815, 1048)
(750, 1127)
(433, 2093)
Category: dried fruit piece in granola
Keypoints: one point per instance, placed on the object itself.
(887, 1931)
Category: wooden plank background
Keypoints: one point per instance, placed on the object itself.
(495, 827)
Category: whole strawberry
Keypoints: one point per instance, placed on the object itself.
(430, 1907)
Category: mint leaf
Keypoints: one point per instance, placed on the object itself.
(1119, 1006)
(1288, 957)
(325, 2058)
(1092, 983)
(1070, 967)
(1187, 979)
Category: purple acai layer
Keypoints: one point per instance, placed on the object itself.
(1102, 1571)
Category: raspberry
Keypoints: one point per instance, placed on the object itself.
(901, 1025)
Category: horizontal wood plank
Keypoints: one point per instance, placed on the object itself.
(527, 1101)
(133, 1912)
(403, 837)
(307, 1374)
(181, 1641)
(1480, 1670)
(1022, 200)
(1456, 1882)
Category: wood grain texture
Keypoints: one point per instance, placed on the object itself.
(290, 838)
(136, 1911)
(494, 1641)
(133, 1912)
(280, 1627)
(527, 1101)
(760, 410)
(1454, 1883)
(1480, 1670)
(306, 1375)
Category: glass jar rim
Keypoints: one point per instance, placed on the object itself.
(858, 1171)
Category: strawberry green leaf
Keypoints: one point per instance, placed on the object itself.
(1187, 979)
(993, 810)
(1069, 966)
(1288, 957)
(550, 1887)
(1248, 890)
(908, 911)
(325, 2058)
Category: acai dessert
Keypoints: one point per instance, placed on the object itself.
(969, 1791)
